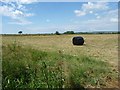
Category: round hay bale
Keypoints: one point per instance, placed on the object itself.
(78, 40)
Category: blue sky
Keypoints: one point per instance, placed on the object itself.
(32, 16)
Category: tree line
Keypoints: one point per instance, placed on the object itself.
(72, 32)
(99, 32)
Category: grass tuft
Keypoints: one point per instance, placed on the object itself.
(29, 68)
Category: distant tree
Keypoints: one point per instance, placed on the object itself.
(69, 32)
(57, 33)
(20, 32)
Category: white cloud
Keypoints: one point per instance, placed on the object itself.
(27, 1)
(12, 12)
(15, 9)
(91, 7)
(17, 13)
(98, 17)
(114, 19)
(91, 12)
(79, 13)
(6, 11)
(20, 1)
(29, 14)
(106, 18)
(95, 6)
(107, 21)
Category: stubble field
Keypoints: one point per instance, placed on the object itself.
(100, 47)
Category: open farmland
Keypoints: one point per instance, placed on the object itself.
(99, 47)
(104, 47)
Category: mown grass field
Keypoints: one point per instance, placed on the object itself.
(51, 61)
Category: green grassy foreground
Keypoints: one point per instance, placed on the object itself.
(24, 67)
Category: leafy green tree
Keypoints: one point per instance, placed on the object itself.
(69, 32)
(20, 32)
(57, 33)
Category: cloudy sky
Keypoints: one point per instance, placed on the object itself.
(33, 16)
